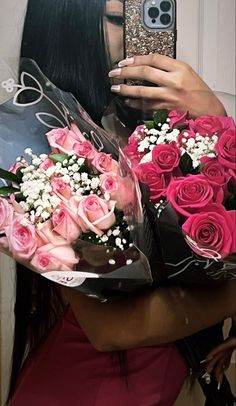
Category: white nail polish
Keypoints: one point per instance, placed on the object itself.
(126, 62)
(114, 73)
(115, 88)
(219, 386)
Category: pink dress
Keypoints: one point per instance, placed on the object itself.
(67, 371)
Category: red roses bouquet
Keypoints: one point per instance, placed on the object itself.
(189, 168)
(71, 210)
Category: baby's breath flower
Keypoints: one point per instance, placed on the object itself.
(104, 238)
(80, 161)
(165, 127)
(28, 151)
(45, 215)
(50, 171)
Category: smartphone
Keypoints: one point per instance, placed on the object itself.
(150, 27)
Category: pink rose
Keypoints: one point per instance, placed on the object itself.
(22, 239)
(17, 166)
(178, 118)
(6, 214)
(226, 148)
(4, 246)
(96, 214)
(16, 206)
(149, 174)
(207, 125)
(227, 122)
(104, 163)
(85, 150)
(212, 232)
(48, 163)
(166, 157)
(214, 171)
(61, 188)
(62, 140)
(51, 258)
(64, 225)
(137, 135)
(46, 235)
(120, 189)
(193, 193)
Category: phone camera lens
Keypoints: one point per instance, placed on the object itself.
(153, 12)
(165, 19)
(165, 6)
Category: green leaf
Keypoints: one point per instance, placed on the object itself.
(186, 164)
(197, 170)
(19, 174)
(160, 116)
(149, 124)
(7, 190)
(8, 176)
(230, 203)
(19, 197)
(58, 157)
(181, 127)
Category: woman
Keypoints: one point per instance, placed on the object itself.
(71, 41)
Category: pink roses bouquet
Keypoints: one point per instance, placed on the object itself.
(189, 167)
(65, 211)
(70, 206)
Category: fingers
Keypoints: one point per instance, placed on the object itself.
(148, 106)
(143, 72)
(155, 60)
(212, 364)
(229, 344)
(145, 92)
(221, 367)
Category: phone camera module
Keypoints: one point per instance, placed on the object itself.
(165, 19)
(165, 6)
(153, 12)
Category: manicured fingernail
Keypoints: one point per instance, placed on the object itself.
(126, 62)
(114, 73)
(207, 378)
(115, 88)
(206, 360)
(219, 386)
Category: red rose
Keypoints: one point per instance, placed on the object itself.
(207, 125)
(214, 171)
(166, 157)
(211, 233)
(193, 193)
(132, 152)
(226, 148)
(178, 118)
(157, 182)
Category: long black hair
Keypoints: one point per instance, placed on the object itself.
(67, 40)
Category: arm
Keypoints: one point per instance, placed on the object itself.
(219, 359)
(179, 86)
(162, 316)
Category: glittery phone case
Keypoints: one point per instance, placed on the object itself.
(140, 40)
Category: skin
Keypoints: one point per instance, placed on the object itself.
(160, 316)
(179, 86)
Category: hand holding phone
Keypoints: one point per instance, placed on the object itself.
(161, 81)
